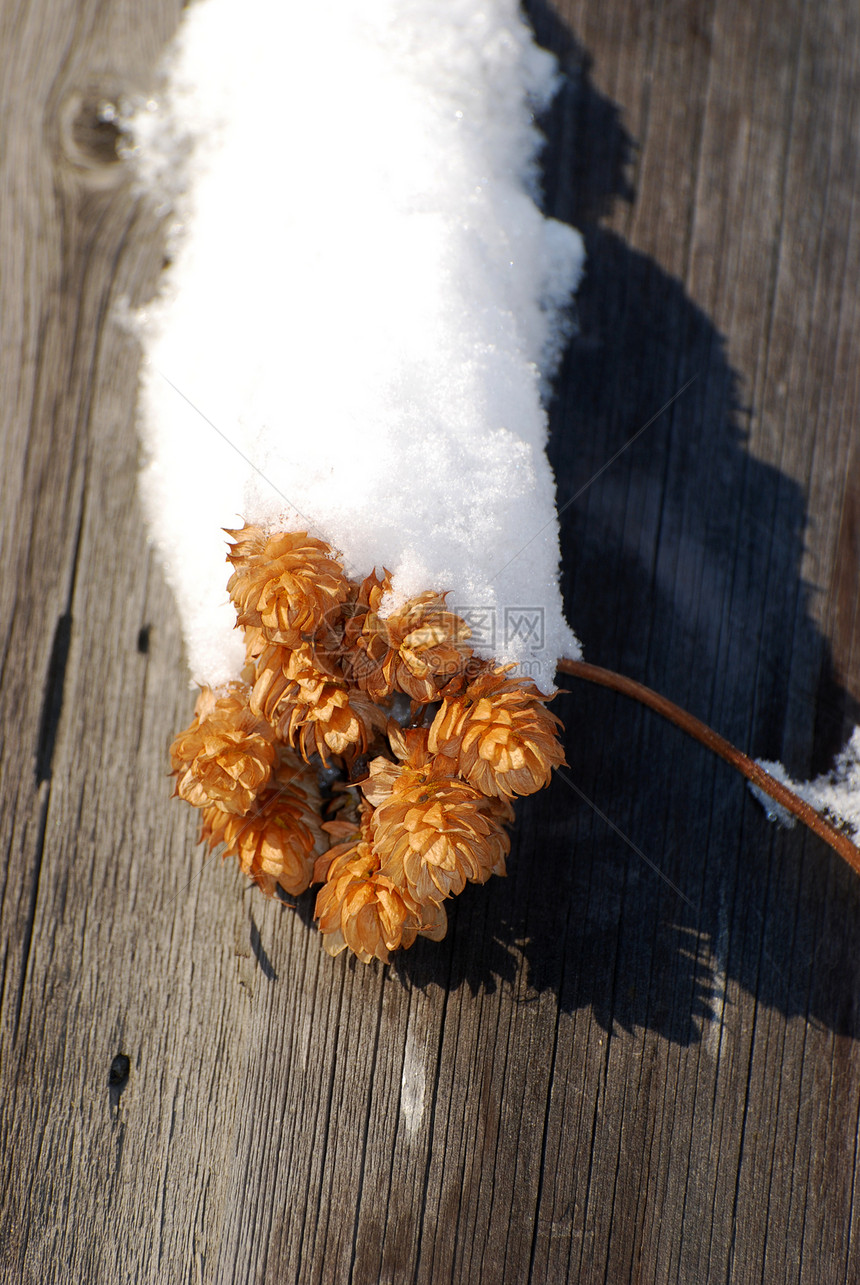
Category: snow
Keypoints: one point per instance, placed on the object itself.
(363, 310)
(836, 794)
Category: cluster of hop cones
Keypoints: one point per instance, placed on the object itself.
(425, 798)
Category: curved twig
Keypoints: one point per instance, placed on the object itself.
(707, 736)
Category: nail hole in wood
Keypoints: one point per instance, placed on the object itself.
(119, 1071)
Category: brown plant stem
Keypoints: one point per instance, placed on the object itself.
(707, 736)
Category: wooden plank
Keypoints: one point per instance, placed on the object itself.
(637, 1057)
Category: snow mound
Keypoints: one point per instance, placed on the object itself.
(364, 306)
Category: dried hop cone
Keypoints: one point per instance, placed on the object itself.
(360, 908)
(310, 708)
(415, 650)
(285, 676)
(432, 831)
(279, 840)
(498, 731)
(226, 756)
(341, 722)
(286, 584)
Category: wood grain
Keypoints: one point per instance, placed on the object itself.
(636, 1059)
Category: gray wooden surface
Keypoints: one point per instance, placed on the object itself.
(637, 1058)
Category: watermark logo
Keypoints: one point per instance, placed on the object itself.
(506, 629)
(482, 624)
(524, 625)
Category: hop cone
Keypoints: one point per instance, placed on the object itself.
(286, 584)
(500, 735)
(432, 831)
(226, 756)
(360, 908)
(311, 708)
(416, 650)
(277, 843)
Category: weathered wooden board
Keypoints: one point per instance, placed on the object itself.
(637, 1058)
